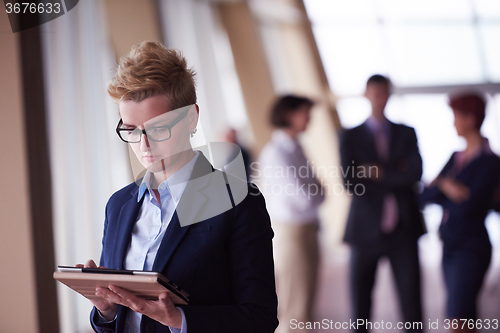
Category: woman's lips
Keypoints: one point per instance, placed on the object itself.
(150, 158)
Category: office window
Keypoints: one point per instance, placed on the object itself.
(416, 43)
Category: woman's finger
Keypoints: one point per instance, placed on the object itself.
(90, 264)
(131, 301)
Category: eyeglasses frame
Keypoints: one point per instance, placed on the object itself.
(181, 116)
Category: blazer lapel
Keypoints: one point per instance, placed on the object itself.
(392, 133)
(171, 240)
(127, 218)
(191, 202)
(471, 167)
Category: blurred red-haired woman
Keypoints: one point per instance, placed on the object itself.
(465, 189)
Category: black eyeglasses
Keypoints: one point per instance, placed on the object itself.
(155, 134)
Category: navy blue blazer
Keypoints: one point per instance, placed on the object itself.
(466, 220)
(401, 171)
(225, 262)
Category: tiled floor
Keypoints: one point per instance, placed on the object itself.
(333, 298)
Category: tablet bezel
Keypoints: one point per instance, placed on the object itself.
(145, 284)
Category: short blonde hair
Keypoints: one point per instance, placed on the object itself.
(150, 70)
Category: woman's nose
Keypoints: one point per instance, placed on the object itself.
(144, 142)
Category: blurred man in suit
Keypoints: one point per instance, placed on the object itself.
(381, 163)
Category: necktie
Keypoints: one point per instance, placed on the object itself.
(390, 213)
(381, 143)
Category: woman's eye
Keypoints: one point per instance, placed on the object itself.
(134, 131)
(158, 130)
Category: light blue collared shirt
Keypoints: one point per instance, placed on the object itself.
(148, 232)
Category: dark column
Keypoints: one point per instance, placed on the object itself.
(40, 187)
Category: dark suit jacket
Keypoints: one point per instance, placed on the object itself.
(224, 262)
(465, 220)
(401, 171)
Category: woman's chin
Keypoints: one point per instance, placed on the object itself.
(159, 165)
(459, 132)
(155, 167)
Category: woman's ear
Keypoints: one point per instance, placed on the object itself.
(193, 116)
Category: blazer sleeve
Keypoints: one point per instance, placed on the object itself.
(98, 325)
(406, 171)
(432, 193)
(348, 162)
(481, 190)
(252, 276)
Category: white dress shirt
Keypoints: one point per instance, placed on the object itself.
(148, 232)
(290, 187)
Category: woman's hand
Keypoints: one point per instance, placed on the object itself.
(161, 310)
(453, 189)
(107, 309)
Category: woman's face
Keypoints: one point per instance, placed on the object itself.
(299, 119)
(464, 123)
(155, 112)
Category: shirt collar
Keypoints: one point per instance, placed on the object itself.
(486, 147)
(175, 183)
(287, 142)
(375, 124)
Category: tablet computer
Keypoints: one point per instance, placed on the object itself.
(145, 284)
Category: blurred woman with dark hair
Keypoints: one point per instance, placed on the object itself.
(293, 195)
(465, 189)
